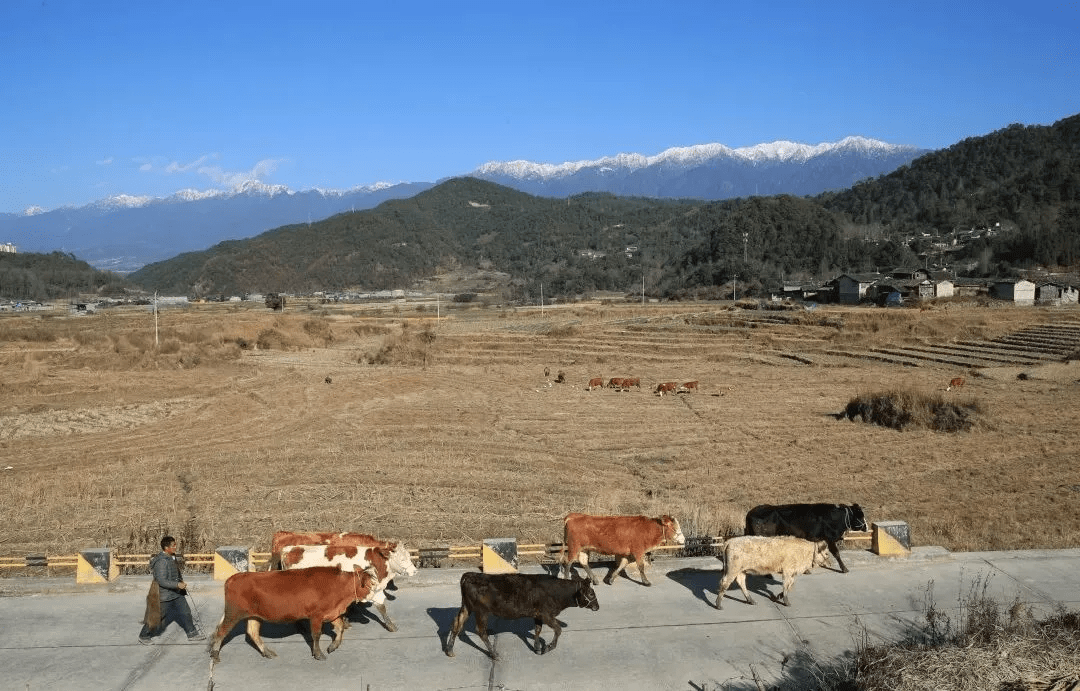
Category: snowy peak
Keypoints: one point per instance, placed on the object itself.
(781, 151)
(710, 171)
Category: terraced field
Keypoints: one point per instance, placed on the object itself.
(385, 419)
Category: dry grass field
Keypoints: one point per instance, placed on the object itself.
(381, 418)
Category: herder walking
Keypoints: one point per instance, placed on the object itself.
(166, 602)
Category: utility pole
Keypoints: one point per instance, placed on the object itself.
(745, 238)
(735, 278)
(155, 321)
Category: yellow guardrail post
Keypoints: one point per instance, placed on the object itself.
(230, 560)
(96, 566)
(890, 539)
(500, 555)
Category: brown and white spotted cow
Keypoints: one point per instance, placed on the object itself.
(595, 383)
(615, 383)
(666, 387)
(385, 563)
(632, 381)
(620, 536)
(689, 386)
(956, 383)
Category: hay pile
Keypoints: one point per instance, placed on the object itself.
(904, 408)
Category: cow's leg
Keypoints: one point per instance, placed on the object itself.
(459, 622)
(610, 578)
(583, 559)
(789, 583)
(228, 621)
(538, 643)
(553, 622)
(725, 582)
(741, 580)
(390, 626)
(834, 549)
(254, 630)
(339, 632)
(481, 630)
(316, 632)
(640, 559)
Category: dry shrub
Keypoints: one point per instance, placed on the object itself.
(410, 347)
(904, 408)
(319, 330)
(272, 339)
(169, 346)
(370, 329)
(992, 649)
(561, 330)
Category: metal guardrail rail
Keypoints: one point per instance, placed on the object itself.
(427, 557)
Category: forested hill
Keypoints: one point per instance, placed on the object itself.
(32, 276)
(1021, 182)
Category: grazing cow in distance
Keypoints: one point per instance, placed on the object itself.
(595, 383)
(956, 383)
(620, 536)
(763, 556)
(517, 595)
(386, 561)
(813, 522)
(666, 387)
(615, 383)
(633, 381)
(689, 386)
(317, 595)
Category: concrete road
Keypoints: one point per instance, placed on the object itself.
(55, 634)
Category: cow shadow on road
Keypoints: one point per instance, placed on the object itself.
(270, 632)
(522, 628)
(704, 582)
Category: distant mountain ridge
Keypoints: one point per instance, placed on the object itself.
(124, 232)
(711, 171)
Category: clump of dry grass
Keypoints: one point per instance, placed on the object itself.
(410, 347)
(906, 408)
(1008, 650)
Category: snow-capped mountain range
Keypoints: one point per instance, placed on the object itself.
(122, 233)
(711, 171)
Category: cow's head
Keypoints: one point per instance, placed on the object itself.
(585, 596)
(856, 519)
(821, 554)
(401, 562)
(672, 530)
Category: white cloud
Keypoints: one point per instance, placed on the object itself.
(146, 167)
(105, 162)
(176, 167)
(235, 179)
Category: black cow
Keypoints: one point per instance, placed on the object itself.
(517, 595)
(815, 522)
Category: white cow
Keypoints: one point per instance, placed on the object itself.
(763, 556)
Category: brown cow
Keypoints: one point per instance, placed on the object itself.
(384, 562)
(956, 383)
(634, 381)
(615, 383)
(666, 387)
(689, 386)
(620, 536)
(595, 383)
(377, 549)
(317, 595)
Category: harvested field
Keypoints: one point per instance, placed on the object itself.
(241, 421)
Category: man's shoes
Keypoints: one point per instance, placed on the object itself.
(197, 636)
(146, 641)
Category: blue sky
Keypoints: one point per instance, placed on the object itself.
(100, 98)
